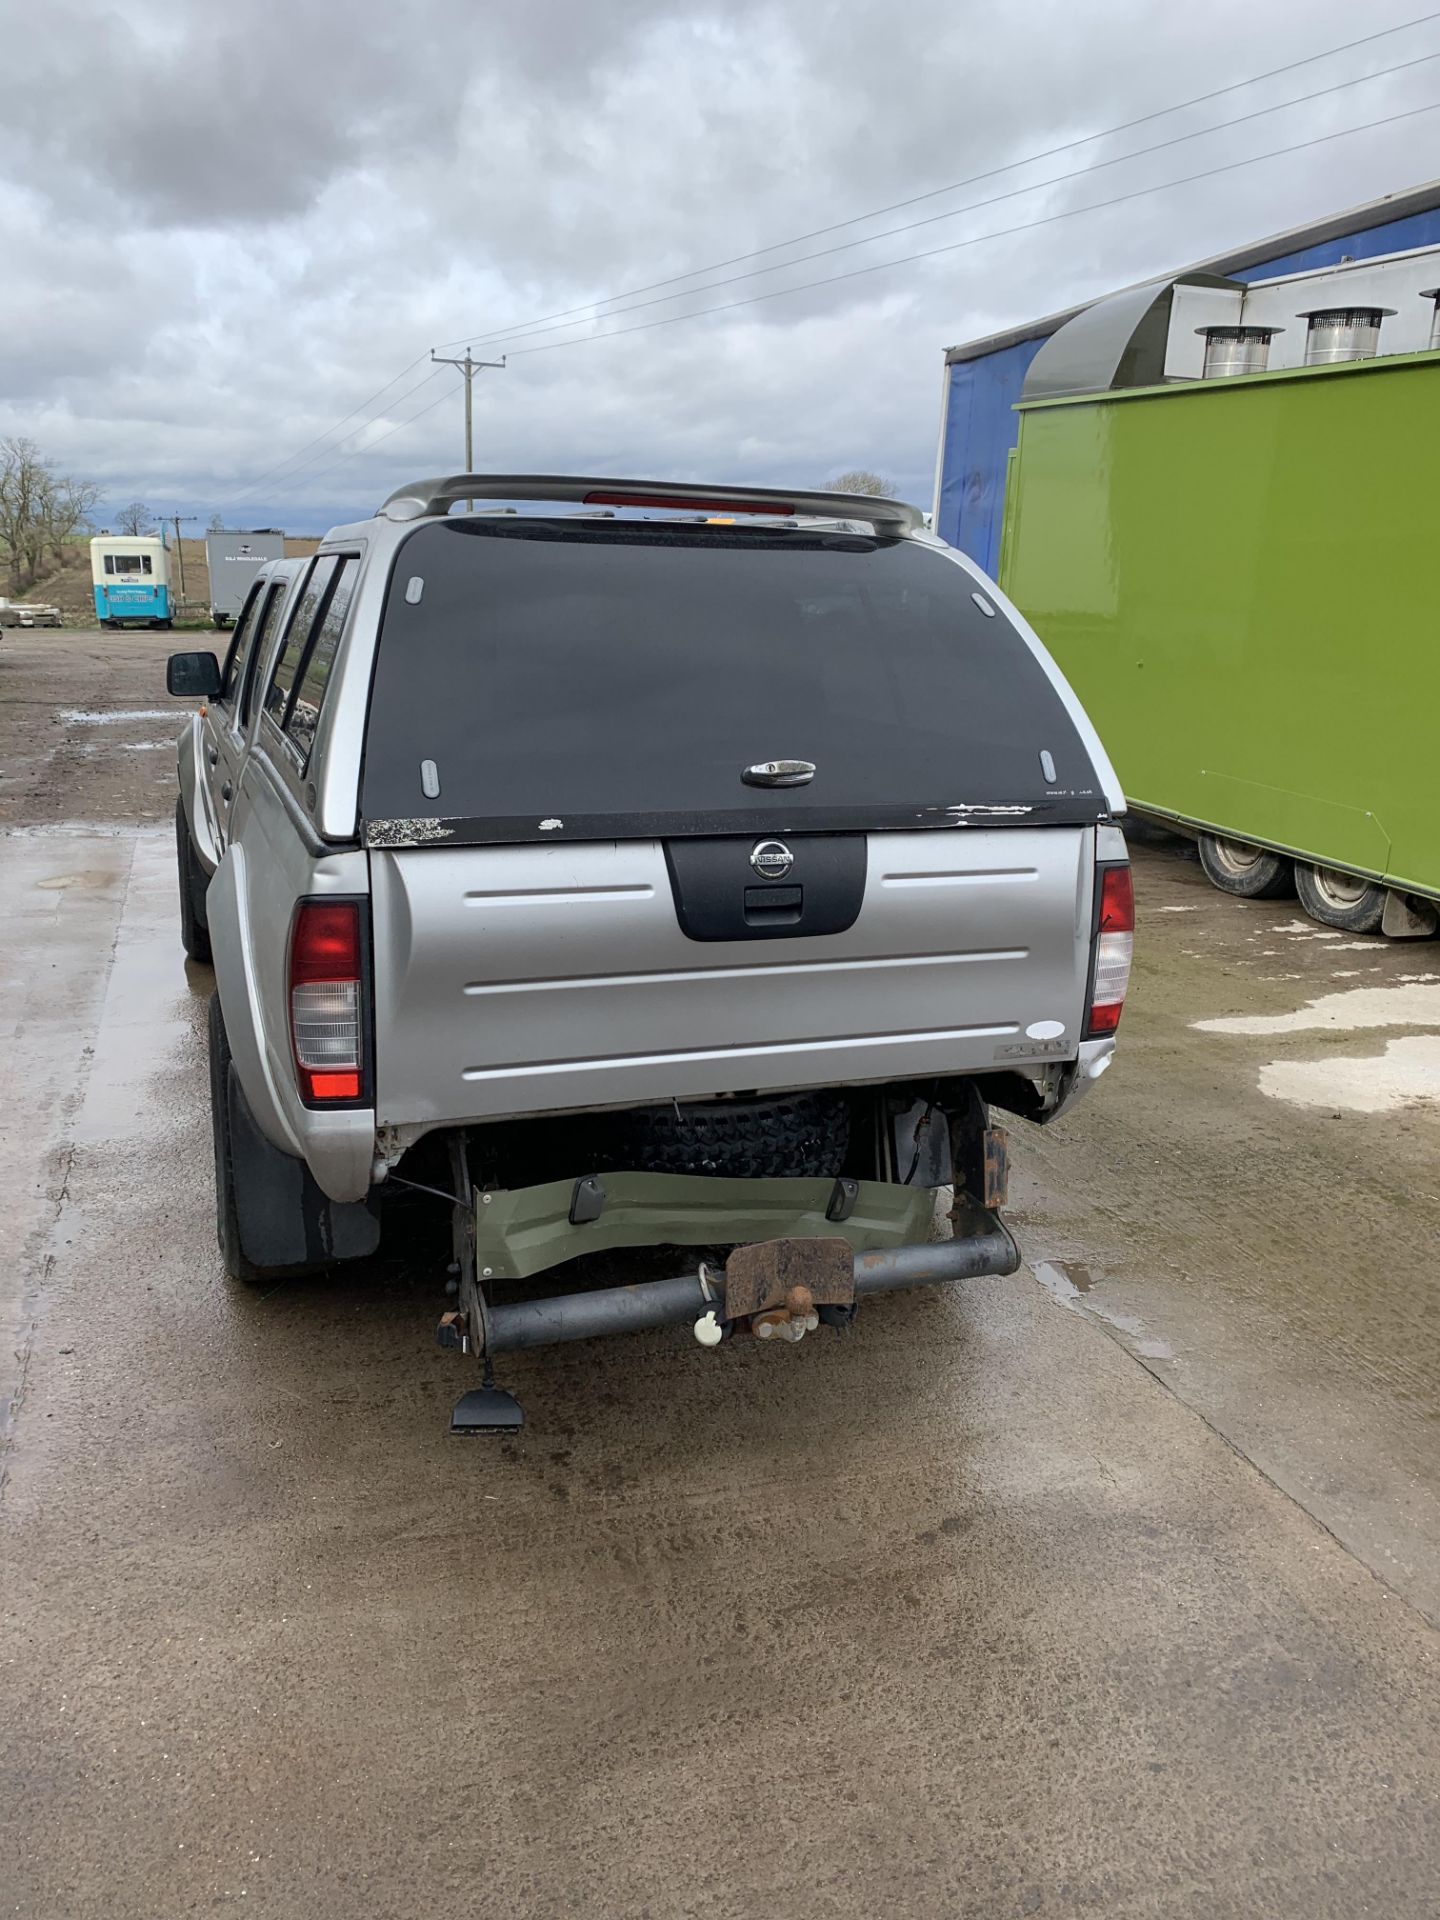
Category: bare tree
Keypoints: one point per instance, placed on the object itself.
(66, 509)
(217, 523)
(860, 480)
(136, 518)
(41, 511)
(23, 479)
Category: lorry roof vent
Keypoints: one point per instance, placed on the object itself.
(1232, 350)
(1342, 333)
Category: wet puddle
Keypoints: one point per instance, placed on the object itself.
(1406, 1073)
(86, 877)
(1412, 1004)
(1068, 1283)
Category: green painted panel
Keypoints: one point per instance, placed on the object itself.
(521, 1231)
(1238, 578)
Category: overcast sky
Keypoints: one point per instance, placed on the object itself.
(224, 227)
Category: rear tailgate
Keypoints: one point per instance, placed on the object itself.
(513, 980)
(565, 717)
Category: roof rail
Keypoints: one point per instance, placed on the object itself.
(421, 498)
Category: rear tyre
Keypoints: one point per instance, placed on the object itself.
(227, 1220)
(1254, 873)
(1341, 900)
(194, 927)
(266, 1200)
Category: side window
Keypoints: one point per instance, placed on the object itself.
(282, 678)
(240, 645)
(110, 563)
(264, 631)
(315, 675)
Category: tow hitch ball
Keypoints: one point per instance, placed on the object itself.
(792, 1321)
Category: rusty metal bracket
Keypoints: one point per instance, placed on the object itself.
(980, 1159)
(760, 1279)
(995, 1192)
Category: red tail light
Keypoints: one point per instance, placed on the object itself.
(326, 985)
(1114, 950)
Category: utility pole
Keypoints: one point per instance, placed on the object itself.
(176, 518)
(469, 368)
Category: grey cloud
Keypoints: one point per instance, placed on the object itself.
(224, 227)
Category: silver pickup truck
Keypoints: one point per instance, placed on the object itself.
(659, 865)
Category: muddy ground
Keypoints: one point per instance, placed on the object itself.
(1107, 1589)
(87, 731)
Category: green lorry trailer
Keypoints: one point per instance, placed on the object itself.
(1238, 577)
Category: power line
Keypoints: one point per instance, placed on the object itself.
(296, 472)
(251, 485)
(897, 206)
(311, 477)
(999, 233)
(528, 330)
(929, 253)
(973, 206)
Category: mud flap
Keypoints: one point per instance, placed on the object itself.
(285, 1220)
(1408, 917)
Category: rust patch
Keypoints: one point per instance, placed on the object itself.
(997, 1168)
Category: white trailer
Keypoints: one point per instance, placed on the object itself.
(234, 560)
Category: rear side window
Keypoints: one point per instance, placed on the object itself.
(568, 681)
(264, 633)
(240, 644)
(282, 677)
(314, 681)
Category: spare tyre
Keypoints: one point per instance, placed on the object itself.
(798, 1134)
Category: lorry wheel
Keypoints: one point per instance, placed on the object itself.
(194, 928)
(1234, 866)
(1340, 900)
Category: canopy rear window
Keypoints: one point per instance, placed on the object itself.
(544, 680)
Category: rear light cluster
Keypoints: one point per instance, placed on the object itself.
(326, 1006)
(1114, 950)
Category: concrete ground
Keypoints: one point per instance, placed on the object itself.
(1107, 1589)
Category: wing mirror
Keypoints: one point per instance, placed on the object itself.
(192, 676)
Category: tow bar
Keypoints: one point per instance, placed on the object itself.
(775, 1288)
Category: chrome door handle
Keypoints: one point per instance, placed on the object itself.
(779, 773)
